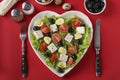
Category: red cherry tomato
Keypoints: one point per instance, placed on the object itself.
(45, 29)
(63, 28)
(43, 47)
(70, 61)
(76, 22)
(53, 57)
(56, 37)
(72, 49)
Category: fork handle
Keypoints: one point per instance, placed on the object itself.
(24, 61)
(24, 66)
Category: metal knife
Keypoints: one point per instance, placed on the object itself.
(97, 46)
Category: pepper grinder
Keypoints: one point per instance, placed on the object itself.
(17, 15)
(27, 8)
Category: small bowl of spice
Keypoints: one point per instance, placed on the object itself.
(95, 7)
(44, 2)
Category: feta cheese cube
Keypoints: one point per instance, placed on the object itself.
(62, 64)
(63, 57)
(38, 34)
(52, 48)
(78, 36)
(69, 37)
(53, 28)
(80, 30)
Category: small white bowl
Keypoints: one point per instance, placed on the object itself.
(95, 13)
(46, 3)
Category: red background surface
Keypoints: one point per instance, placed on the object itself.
(10, 47)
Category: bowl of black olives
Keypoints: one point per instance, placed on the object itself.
(95, 7)
(44, 2)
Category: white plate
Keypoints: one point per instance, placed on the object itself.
(66, 14)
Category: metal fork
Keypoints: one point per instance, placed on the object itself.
(23, 36)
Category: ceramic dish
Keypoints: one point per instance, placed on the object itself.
(66, 16)
(98, 12)
(44, 3)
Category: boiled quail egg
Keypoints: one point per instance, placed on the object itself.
(62, 50)
(38, 23)
(59, 21)
(47, 40)
(62, 64)
(78, 36)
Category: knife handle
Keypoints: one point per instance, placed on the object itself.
(97, 64)
(24, 66)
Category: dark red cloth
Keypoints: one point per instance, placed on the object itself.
(10, 47)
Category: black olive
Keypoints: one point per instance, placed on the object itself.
(90, 5)
(91, 10)
(83, 24)
(39, 0)
(47, 54)
(70, 30)
(35, 28)
(96, 5)
(79, 41)
(52, 21)
(74, 57)
(97, 10)
(48, 34)
(60, 70)
(60, 43)
(102, 4)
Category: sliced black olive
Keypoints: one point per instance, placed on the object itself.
(102, 4)
(60, 70)
(35, 28)
(39, 0)
(96, 5)
(48, 34)
(79, 41)
(74, 57)
(52, 21)
(60, 43)
(97, 10)
(83, 24)
(47, 54)
(91, 10)
(90, 5)
(70, 30)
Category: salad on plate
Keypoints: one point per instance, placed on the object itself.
(60, 41)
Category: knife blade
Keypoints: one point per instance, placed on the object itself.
(97, 46)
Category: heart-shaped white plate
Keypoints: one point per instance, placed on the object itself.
(65, 15)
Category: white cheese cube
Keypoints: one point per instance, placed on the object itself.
(53, 28)
(69, 37)
(80, 30)
(78, 36)
(62, 64)
(52, 48)
(38, 34)
(63, 57)
(62, 50)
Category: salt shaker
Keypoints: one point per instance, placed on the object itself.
(17, 15)
(27, 8)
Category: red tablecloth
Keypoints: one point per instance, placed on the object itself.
(10, 47)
